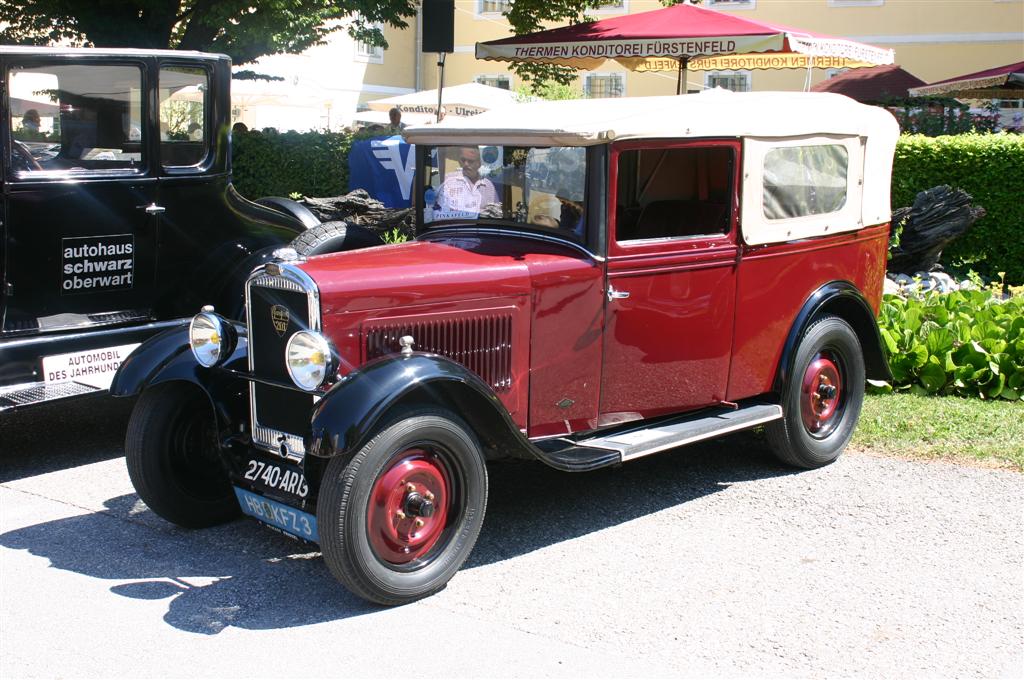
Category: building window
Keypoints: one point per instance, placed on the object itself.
(731, 4)
(493, 6)
(601, 85)
(371, 54)
(831, 73)
(855, 3)
(737, 81)
(504, 82)
(612, 6)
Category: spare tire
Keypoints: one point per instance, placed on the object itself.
(334, 237)
(287, 206)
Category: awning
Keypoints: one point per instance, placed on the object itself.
(467, 99)
(1001, 82)
(677, 35)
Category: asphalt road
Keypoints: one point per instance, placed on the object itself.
(708, 561)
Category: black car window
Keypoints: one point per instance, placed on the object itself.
(76, 118)
(184, 102)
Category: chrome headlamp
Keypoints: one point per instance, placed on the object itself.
(309, 359)
(211, 337)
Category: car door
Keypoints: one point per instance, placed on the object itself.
(671, 277)
(81, 213)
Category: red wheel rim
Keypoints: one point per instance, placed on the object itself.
(408, 508)
(821, 395)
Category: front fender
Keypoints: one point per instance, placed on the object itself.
(167, 356)
(356, 407)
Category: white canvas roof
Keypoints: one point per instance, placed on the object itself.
(714, 113)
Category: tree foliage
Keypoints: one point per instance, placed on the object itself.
(242, 29)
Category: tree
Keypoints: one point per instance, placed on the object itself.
(242, 29)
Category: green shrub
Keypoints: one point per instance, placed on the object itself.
(988, 167)
(284, 163)
(967, 343)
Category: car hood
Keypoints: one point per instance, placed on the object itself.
(417, 272)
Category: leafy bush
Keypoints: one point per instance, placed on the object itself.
(283, 163)
(991, 169)
(968, 343)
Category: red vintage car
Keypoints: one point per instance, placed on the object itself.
(590, 283)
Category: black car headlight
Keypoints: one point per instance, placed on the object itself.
(211, 337)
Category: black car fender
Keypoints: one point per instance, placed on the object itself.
(844, 300)
(167, 357)
(364, 401)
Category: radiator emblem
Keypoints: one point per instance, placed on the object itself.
(279, 316)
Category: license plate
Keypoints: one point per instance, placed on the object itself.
(95, 367)
(270, 476)
(288, 520)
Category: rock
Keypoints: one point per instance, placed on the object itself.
(938, 216)
(358, 207)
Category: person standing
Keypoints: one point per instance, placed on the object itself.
(395, 116)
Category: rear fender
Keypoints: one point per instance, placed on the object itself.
(845, 301)
(362, 402)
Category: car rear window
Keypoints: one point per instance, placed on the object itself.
(805, 180)
(184, 102)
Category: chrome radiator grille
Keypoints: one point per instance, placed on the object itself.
(277, 306)
(482, 343)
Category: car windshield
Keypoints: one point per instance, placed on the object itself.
(534, 187)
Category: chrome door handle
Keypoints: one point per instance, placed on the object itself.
(617, 294)
(153, 209)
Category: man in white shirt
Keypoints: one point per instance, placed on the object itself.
(467, 191)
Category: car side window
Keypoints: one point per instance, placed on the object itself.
(673, 192)
(184, 104)
(76, 118)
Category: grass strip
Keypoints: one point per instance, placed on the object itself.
(951, 428)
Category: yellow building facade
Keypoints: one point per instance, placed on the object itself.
(932, 39)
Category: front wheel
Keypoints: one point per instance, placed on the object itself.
(171, 451)
(399, 518)
(822, 401)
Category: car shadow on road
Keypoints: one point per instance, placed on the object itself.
(532, 506)
(243, 575)
(62, 434)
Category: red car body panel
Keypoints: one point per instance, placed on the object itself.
(773, 283)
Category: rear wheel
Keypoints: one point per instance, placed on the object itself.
(171, 451)
(823, 399)
(400, 517)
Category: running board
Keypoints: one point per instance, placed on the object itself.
(623, 445)
(702, 425)
(15, 396)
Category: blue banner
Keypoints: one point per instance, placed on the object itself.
(384, 167)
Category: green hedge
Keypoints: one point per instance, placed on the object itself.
(281, 163)
(988, 167)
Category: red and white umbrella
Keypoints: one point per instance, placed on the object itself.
(1001, 82)
(676, 36)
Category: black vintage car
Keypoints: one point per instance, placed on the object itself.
(119, 218)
